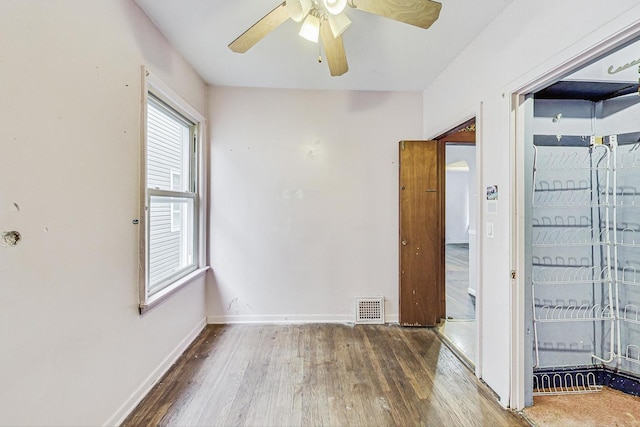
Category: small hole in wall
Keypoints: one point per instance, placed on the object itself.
(10, 238)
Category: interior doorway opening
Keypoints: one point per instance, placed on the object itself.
(581, 128)
(460, 291)
(459, 328)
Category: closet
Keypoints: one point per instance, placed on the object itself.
(583, 228)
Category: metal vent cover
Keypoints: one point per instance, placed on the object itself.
(370, 310)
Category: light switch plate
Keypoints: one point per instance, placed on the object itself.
(490, 230)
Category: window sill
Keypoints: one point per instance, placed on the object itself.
(163, 295)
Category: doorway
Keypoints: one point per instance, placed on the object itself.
(579, 127)
(459, 328)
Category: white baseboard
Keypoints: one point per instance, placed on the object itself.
(391, 318)
(135, 398)
(289, 318)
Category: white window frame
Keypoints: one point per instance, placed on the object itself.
(176, 224)
(151, 84)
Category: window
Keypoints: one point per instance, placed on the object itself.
(172, 194)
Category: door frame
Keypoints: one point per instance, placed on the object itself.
(565, 63)
(461, 121)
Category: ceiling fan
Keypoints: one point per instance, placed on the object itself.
(325, 19)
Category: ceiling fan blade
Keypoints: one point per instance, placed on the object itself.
(260, 29)
(420, 13)
(334, 50)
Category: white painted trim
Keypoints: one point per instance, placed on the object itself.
(515, 398)
(143, 243)
(136, 397)
(175, 225)
(152, 84)
(289, 319)
(598, 43)
(168, 95)
(176, 286)
(471, 292)
(479, 225)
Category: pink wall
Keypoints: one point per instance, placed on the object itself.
(74, 349)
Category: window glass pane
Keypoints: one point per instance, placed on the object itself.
(171, 245)
(168, 136)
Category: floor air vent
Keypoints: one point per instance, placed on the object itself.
(370, 310)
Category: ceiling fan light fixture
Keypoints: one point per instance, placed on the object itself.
(298, 9)
(338, 23)
(334, 7)
(310, 28)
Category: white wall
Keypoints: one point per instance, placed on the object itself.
(526, 41)
(74, 349)
(460, 194)
(619, 115)
(457, 209)
(305, 210)
(453, 233)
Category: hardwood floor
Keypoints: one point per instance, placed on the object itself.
(459, 329)
(329, 374)
(459, 303)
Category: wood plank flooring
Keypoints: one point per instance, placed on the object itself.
(460, 304)
(319, 375)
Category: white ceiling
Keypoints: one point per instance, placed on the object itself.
(382, 54)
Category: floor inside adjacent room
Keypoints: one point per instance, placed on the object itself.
(459, 329)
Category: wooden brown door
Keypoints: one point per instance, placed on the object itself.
(422, 298)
